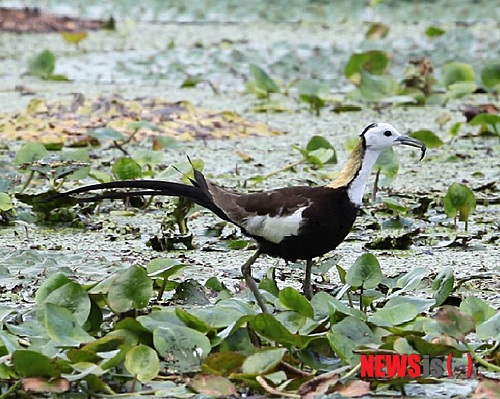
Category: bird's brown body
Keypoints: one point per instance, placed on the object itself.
(291, 223)
(315, 224)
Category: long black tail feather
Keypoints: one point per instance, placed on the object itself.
(117, 195)
(198, 192)
(156, 187)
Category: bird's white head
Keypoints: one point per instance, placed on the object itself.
(379, 136)
(375, 138)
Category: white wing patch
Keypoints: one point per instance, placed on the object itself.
(274, 228)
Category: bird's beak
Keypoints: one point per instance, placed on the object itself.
(410, 141)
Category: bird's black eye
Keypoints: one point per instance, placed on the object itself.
(387, 133)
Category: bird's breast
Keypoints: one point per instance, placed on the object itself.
(274, 228)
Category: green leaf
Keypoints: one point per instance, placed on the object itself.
(82, 155)
(191, 321)
(394, 205)
(319, 142)
(365, 272)
(460, 89)
(311, 88)
(74, 37)
(183, 348)
(131, 289)
(263, 82)
(220, 316)
(292, 320)
(101, 177)
(377, 87)
(82, 355)
(486, 120)
(223, 363)
(57, 78)
(105, 344)
(185, 169)
(455, 128)
(263, 362)
(10, 342)
(479, 310)
(42, 64)
(394, 315)
(34, 364)
(343, 347)
(459, 198)
(490, 75)
(411, 280)
(454, 72)
(191, 82)
(388, 163)
(142, 361)
(375, 62)
(422, 304)
(355, 329)
(167, 142)
(293, 300)
(311, 92)
(443, 285)
(106, 134)
(490, 329)
(238, 244)
(126, 169)
(72, 297)
(84, 370)
(30, 152)
(62, 326)
(164, 267)
(159, 318)
(326, 305)
(5, 202)
(342, 273)
(51, 284)
(430, 139)
(434, 31)
(267, 326)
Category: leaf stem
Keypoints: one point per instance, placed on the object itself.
(352, 372)
(26, 184)
(273, 391)
(11, 389)
(482, 362)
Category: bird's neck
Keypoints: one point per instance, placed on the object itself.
(356, 172)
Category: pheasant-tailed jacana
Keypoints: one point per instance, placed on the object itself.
(291, 223)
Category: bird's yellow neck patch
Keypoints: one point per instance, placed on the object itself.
(351, 168)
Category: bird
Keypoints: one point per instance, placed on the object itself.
(292, 223)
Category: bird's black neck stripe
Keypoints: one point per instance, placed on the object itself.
(370, 126)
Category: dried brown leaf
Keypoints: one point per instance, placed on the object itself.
(38, 384)
(180, 120)
(213, 385)
(321, 384)
(354, 388)
(487, 388)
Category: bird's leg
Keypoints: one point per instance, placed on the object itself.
(246, 271)
(307, 281)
